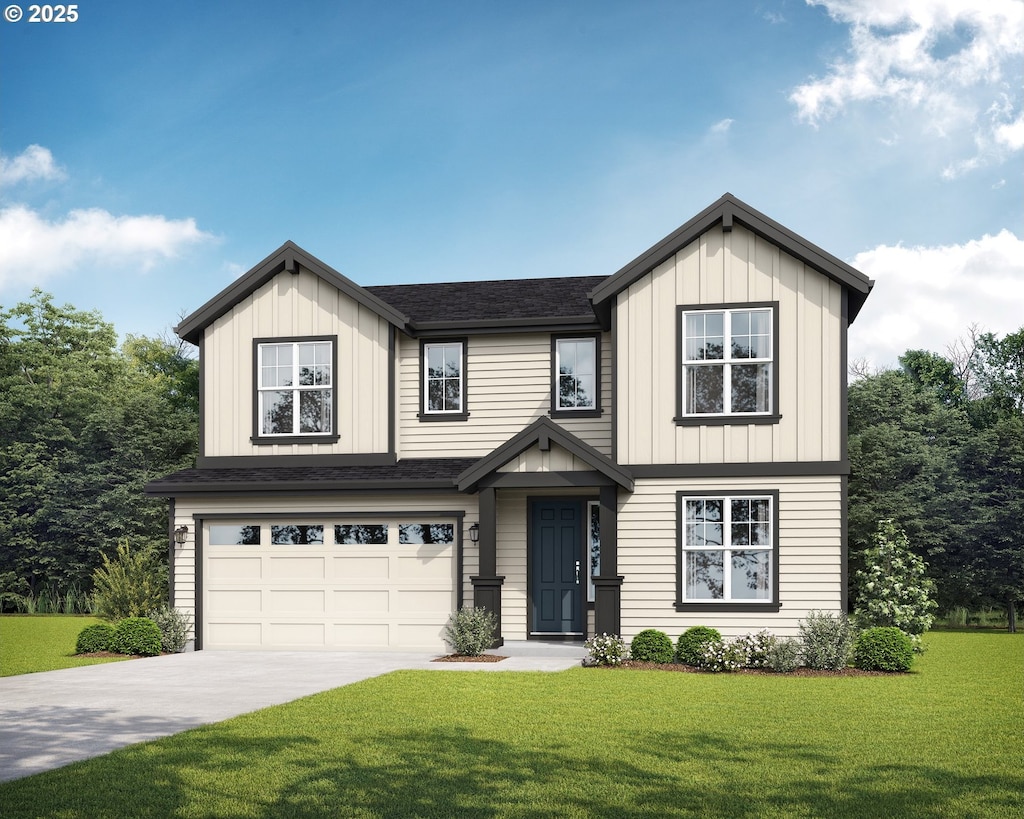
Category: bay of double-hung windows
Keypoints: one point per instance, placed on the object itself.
(443, 367)
(295, 388)
(728, 362)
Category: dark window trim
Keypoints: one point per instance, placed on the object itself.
(772, 416)
(424, 414)
(730, 605)
(268, 440)
(560, 412)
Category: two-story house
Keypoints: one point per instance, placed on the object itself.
(657, 448)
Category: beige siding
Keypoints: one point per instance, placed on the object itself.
(291, 306)
(555, 459)
(508, 387)
(810, 546)
(725, 268)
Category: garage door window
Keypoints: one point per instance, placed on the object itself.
(296, 535)
(231, 535)
(361, 533)
(420, 533)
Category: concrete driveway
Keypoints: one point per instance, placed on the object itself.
(53, 718)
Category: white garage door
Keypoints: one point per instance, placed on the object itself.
(335, 584)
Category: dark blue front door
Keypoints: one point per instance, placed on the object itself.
(555, 567)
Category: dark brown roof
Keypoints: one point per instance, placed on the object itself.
(494, 302)
(427, 473)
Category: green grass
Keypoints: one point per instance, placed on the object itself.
(942, 741)
(42, 643)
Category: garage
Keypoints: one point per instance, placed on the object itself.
(351, 583)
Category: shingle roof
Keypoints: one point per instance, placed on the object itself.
(492, 301)
(437, 473)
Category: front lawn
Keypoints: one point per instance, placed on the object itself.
(42, 642)
(942, 741)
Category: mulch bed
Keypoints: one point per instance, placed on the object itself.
(800, 672)
(462, 658)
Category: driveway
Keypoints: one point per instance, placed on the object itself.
(53, 718)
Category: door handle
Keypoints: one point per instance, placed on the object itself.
(577, 572)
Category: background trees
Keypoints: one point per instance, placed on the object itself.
(84, 424)
(938, 447)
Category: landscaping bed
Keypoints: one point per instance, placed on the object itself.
(465, 658)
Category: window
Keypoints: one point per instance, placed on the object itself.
(443, 364)
(728, 365)
(296, 535)
(594, 518)
(576, 376)
(728, 549)
(361, 533)
(233, 535)
(295, 394)
(423, 533)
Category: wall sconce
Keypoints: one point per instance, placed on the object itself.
(180, 534)
(474, 533)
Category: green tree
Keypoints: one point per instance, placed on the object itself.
(893, 589)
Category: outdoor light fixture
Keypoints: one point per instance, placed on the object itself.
(474, 532)
(180, 534)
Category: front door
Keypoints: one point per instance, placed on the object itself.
(555, 567)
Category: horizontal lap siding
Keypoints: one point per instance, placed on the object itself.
(730, 268)
(810, 549)
(293, 306)
(508, 388)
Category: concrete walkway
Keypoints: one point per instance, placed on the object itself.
(53, 718)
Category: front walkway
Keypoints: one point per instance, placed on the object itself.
(53, 718)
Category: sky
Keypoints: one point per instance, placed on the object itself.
(150, 153)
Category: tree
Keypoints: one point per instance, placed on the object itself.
(893, 589)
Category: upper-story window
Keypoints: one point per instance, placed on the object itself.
(443, 365)
(728, 362)
(576, 376)
(295, 387)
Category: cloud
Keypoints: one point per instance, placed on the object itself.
(956, 61)
(722, 126)
(927, 297)
(35, 162)
(32, 249)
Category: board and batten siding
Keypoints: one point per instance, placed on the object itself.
(734, 267)
(810, 554)
(290, 306)
(508, 388)
(312, 509)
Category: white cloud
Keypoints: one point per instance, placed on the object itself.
(956, 61)
(32, 249)
(35, 162)
(722, 126)
(927, 297)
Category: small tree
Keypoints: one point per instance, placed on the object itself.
(129, 586)
(893, 589)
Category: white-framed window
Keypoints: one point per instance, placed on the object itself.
(727, 361)
(295, 387)
(444, 378)
(727, 550)
(576, 369)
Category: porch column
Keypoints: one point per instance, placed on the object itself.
(608, 583)
(487, 584)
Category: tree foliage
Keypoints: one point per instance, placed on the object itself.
(893, 588)
(84, 425)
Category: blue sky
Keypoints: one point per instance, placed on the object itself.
(150, 153)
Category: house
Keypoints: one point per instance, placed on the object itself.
(657, 448)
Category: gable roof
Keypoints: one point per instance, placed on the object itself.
(289, 257)
(541, 433)
(727, 211)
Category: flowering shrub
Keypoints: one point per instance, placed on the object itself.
(605, 649)
(892, 588)
(757, 648)
(717, 655)
(689, 646)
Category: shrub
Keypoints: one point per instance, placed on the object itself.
(605, 649)
(174, 626)
(720, 656)
(757, 648)
(689, 647)
(130, 585)
(136, 635)
(784, 655)
(96, 637)
(471, 630)
(652, 646)
(827, 640)
(892, 588)
(883, 648)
